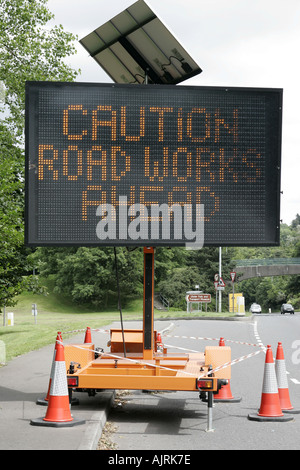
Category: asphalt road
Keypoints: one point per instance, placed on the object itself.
(161, 421)
(23, 381)
(178, 420)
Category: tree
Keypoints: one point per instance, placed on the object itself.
(293, 285)
(296, 222)
(194, 268)
(176, 285)
(13, 254)
(87, 276)
(166, 260)
(28, 51)
(271, 293)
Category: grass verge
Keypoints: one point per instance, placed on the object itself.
(55, 314)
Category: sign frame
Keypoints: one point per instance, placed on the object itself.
(271, 203)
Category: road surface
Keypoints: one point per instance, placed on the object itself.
(169, 421)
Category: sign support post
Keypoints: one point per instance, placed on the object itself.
(220, 276)
(232, 275)
(148, 308)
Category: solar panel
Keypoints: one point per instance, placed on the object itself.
(135, 44)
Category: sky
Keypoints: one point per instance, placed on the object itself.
(240, 43)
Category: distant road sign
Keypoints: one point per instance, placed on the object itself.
(199, 298)
(220, 284)
(218, 287)
(232, 275)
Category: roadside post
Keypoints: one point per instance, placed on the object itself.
(34, 312)
(232, 275)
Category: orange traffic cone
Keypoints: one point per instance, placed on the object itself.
(224, 394)
(88, 335)
(270, 409)
(44, 401)
(159, 345)
(58, 412)
(283, 388)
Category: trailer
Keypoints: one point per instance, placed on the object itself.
(138, 360)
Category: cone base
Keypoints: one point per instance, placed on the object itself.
(224, 400)
(292, 411)
(56, 424)
(45, 402)
(41, 401)
(256, 417)
(225, 395)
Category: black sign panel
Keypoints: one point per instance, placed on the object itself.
(151, 165)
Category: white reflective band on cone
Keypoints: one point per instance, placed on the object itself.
(59, 385)
(270, 381)
(281, 374)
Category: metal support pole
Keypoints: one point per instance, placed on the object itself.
(220, 275)
(146, 77)
(210, 402)
(148, 317)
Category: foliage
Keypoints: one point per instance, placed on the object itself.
(88, 275)
(272, 292)
(13, 256)
(28, 51)
(178, 283)
(199, 268)
(167, 259)
(293, 282)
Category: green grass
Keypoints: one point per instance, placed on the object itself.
(53, 315)
(56, 314)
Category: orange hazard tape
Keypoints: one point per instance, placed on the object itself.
(84, 329)
(101, 330)
(114, 356)
(227, 364)
(231, 363)
(212, 339)
(223, 366)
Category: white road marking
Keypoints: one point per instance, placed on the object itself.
(295, 381)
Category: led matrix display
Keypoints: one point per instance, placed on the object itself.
(104, 161)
